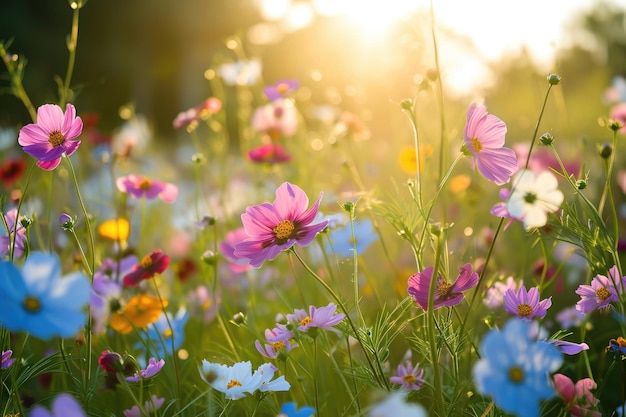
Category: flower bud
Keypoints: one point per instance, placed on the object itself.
(348, 207)
(546, 139)
(26, 222)
(198, 158)
(581, 184)
(615, 125)
(111, 362)
(239, 318)
(209, 257)
(605, 150)
(66, 221)
(554, 79)
(407, 104)
(432, 74)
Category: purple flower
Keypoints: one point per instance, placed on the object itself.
(52, 136)
(227, 248)
(320, 318)
(138, 186)
(64, 405)
(446, 294)
(6, 360)
(152, 369)
(495, 294)
(152, 405)
(276, 119)
(484, 138)
(411, 377)
(569, 348)
(281, 89)
(272, 228)
(280, 333)
(525, 304)
(602, 291)
(16, 235)
(570, 317)
(277, 349)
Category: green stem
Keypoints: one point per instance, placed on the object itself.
(317, 397)
(15, 72)
(65, 93)
(534, 138)
(434, 352)
(341, 305)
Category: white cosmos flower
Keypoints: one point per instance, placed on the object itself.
(533, 197)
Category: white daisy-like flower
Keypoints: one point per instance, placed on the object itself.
(533, 197)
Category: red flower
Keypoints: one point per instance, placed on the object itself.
(11, 170)
(151, 264)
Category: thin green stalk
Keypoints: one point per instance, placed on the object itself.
(418, 162)
(64, 92)
(315, 384)
(15, 72)
(341, 305)
(534, 138)
(443, 154)
(355, 270)
(434, 352)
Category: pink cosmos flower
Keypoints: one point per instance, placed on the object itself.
(271, 153)
(277, 119)
(280, 333)
(227, 248)
(272, 228)
(138, 186)
(578, 398)
(409, 376)
(153, 368)
(446, 294)
(52, 136)
(495, 294)
(484, 137)
(154, 263)
(278, 349)
(602, 291)
(281, 89)
(203, 110)
(318, 318)
(525, 304)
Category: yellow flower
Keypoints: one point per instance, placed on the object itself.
(408, 161)
(140, 311)
(460, 183)
(116, 229)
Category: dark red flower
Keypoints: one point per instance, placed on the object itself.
(11, 170)
(270, 153)
(150, 265)
(111, 361)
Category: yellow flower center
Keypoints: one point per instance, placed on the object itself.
(284, 231)
(145, 184)
(167, 333)
(305, 321)
(56, 138)
(278, 345)
(409, 378)
(282, 88)
(476, 144)
(32, 304)
(602, 293)
(516, 374)
(443, 289)
(233, 383)
(146, 262)
(524, 310)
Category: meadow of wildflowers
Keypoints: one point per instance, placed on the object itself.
(286, 273)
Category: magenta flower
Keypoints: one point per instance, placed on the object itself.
(227, 248)
(318, 318)
(525, 304)
(6, 360)
(602, 291)
(138, 186)
(52, 136)
(151, 370)
(273, 228)
(484, 137)
(271, 153)
(15, 236)
(154, 263)
(281, 89)
(446, 294)
(409, 376)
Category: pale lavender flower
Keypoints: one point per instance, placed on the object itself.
(152, 405)
(64, 405)
(525, 304)
(318, 318)
(151, 370)
(602, 291)
(495, 294)
(15, 235)
(275, 349)
(409, 376)
(570, 317)
(6, 359)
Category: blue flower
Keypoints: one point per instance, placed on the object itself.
(515, 369)
(39, 301)
(342, 242)
(64, 405)
(290, 410)
(160, 334)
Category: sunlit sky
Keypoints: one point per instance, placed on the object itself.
(495, 26)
